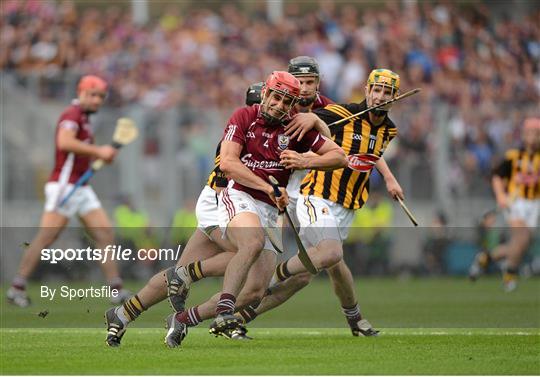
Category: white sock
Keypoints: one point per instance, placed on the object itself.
(120, 313)
(184, 275)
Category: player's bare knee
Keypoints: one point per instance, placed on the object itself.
(252, 248)
(249, 255)
(330, 257)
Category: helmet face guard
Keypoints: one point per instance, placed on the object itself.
(281, 114)
(287, 87)
(386, 79)
(305, 66)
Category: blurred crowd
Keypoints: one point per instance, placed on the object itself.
(485, 67)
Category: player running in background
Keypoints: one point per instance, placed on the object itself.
(516, 184)
(73, 154)
(306, 70)
(253, 148)
(327, 200)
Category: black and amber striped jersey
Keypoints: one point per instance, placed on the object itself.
(349, 187)
(521, 172)
(217, 178)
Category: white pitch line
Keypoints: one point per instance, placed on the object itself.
(314, 332)
(475, 331)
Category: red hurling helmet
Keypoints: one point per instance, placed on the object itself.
(285, 85)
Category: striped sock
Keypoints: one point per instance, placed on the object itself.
(484, 259)
(190, 317)
(352, 313)
(282, 273)
(225, 304)
(195, 271)
(248, 314)
(133, 308)
(510, 274)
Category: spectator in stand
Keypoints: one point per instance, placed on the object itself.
(465, 55)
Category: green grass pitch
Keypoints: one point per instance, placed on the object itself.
(429, 326)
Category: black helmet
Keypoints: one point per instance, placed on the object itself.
(253, 94)
(303, 65)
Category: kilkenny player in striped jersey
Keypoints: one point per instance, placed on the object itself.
(516, 184)
(327, 200)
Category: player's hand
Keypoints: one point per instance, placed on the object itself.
(283, 201)
(300, 124)
(293, 160)
(107, 153)
(394, 189)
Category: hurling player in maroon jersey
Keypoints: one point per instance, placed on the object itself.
(253, 148)
(74, 151)
(206, 254)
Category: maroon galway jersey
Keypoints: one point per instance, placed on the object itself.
(261, 146)
(68, 166)
(321, 102)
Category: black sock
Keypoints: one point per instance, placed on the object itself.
(248, 314)
(133, 308)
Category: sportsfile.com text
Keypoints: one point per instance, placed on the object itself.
(110, 252)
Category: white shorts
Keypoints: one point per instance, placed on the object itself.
(232, 202)
(524, 209)
(321, 219)
(291, 208)
(207, 211)
(81, 202)
(293, 190)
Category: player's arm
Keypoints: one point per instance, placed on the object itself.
(497, 183)
(328, 157)
(498, 177)
(301, 123)
(392, 185)
(68, 142)
(234, 169)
